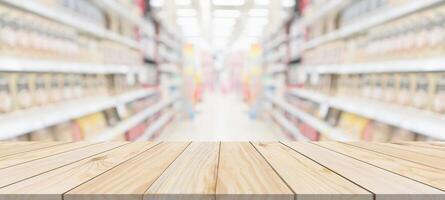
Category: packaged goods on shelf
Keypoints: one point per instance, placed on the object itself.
(42, 135)
(439, 95)
(6, 93)
(91, 125)
(64, 132)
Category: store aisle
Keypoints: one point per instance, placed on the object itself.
(221, 118)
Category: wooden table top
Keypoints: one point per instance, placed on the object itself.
(226, 170)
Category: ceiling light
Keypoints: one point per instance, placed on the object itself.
(183, 2)
(228, 2)
(223, 22)
(259, 12)
(186, 12)
(156, 3)
(226, 13)
(288, 3)
(262, 2)
(258, 21)
(187, 21)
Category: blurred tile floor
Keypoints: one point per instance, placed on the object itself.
(221, 118)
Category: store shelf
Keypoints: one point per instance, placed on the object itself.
(308, 95)
(376, 19)
(319, 125)
(23, 122)
(415, 120)
(169, 68)
(322, 12)
(280, 119)
(50, 66)
(133, 121)
(411, 65)
(137, 20)
(66, 18)
(274, 69)
(156, 126)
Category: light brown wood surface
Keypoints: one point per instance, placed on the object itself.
(49, 185)
(243, 174)
(221, 170)
(191, 176)
(133, 178)
(432, 161)
(308, 179)
(20, 172)
(425, 174)
(10, 148)
(11, 160)
(374, 179)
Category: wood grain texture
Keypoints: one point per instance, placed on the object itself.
(20, 172)
(11, 160)
(429, 145)
(428, 160)
(309, 180)
(191, 176)
(130, 180)
(428, 175)
(384, 184)
(20, 147)
(244, 174)
(51, 185)
(440, 153)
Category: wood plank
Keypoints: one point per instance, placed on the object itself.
(427, 160)
(308, 179)
(428, 175)
(384, 184)
(430, 145)
(23, 171)
(130, 180)
(11, 160)
(244, 174)
(51, 185)
(191, 176)
(440, 153)
(20, 147)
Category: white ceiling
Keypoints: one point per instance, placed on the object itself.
(220, 24)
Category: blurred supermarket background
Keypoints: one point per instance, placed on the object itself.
(230, 70)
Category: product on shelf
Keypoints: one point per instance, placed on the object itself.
(352, 124)
(42, 135)
(64, 132)
(6, 96)
(403, 135)
(421, 96)
(56, 88)
(439, 95)
(91, 125)
(41, 96)
(23, 91)
(377, 132)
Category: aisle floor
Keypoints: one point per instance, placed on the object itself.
(222, 118)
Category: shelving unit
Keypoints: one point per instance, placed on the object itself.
(124, 126)
(283, 122)
(320, 125)
(299, 75)
(70, 20)
(380, 18)
(411, 65)
(150, 35)
(50, 66)
(422, 122)
(156, 126)
(12, 125)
